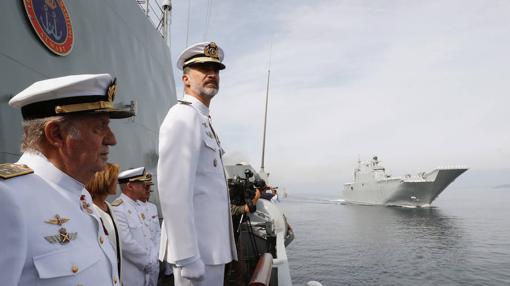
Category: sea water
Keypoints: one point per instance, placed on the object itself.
(464, 239)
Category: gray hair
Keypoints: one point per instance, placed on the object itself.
(33, 131)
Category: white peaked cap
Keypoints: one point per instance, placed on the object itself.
(200, 53)
(69, 94)
(134, 175)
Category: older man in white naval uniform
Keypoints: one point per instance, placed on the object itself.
(51, 234)
(191, 179)
(139, 257)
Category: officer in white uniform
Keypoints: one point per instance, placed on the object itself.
(51, 234)
(151, 220)
(191, 179)
(139, 258)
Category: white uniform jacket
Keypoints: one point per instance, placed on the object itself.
(51, 234)
(137, 253)
(192, 188)
(151, 221)
(110, 223)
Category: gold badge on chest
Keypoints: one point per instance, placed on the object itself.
(62, 237)
(58, 220)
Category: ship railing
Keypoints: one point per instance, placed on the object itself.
(158, 13)
(281, 262)
(262, 273)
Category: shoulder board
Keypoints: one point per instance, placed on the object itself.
(9, 170)
(117, 202)
(184, 102)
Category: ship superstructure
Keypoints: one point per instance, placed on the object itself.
(373, 186)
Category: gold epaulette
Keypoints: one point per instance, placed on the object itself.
(184, 102)
(9, 170)
(117, 202)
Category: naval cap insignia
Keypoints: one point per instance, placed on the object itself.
(211, 50)
(112, 90)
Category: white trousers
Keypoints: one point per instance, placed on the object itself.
(213, 277)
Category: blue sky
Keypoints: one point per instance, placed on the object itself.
(421, 84)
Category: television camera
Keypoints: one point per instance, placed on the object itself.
(243, 190)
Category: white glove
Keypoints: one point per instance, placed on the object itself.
(194, 270)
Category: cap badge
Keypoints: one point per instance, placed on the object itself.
(211, 50)
(112, 89)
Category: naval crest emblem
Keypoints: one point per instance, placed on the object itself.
(211, 50)
(52, 24)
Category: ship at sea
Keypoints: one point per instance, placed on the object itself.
(128, 39)
(373, 186)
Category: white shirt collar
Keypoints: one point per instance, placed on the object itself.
(129, 200)
(197, 104)
(46, 170)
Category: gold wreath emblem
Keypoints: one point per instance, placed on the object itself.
(112, 89)
(211, 50)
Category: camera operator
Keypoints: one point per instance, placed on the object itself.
(243, 198)
(244, 195)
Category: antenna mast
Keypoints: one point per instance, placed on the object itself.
(262, 173)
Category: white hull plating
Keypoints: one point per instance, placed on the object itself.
(374, 187)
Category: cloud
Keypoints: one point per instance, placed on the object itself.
(421, 84)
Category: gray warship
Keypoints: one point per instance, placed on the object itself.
(373, 186)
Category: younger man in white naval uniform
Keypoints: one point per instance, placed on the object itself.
(139, 258)
(51, 234)
(191, 179)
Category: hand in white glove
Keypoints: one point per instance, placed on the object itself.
(194, 270)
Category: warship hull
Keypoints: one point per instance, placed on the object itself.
(411, 191)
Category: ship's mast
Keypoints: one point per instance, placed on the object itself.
(262, 172)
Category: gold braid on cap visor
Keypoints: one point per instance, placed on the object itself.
(98, 105)
(83, 107)
(199, 60)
